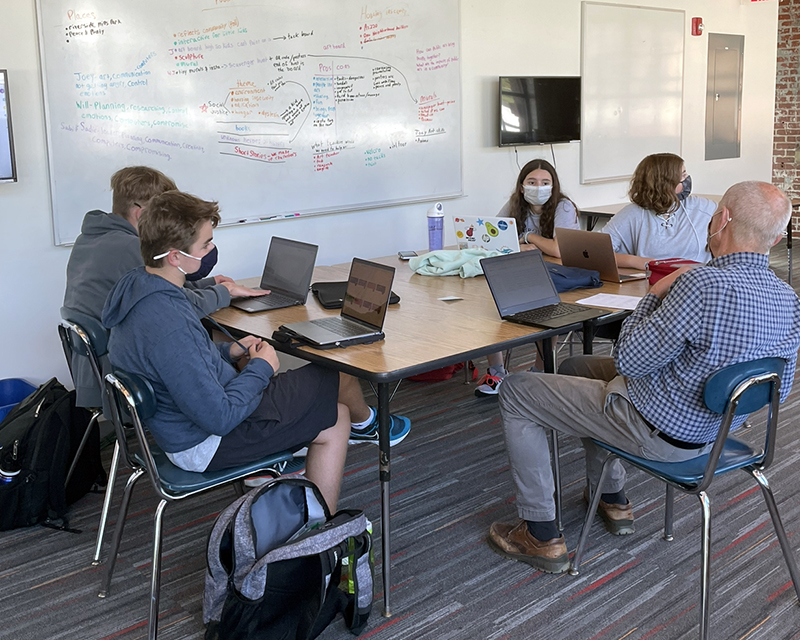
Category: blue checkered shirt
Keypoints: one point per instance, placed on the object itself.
(732, 310)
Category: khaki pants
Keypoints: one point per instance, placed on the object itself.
(586, 399)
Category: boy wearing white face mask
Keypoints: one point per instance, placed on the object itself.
(539, 207)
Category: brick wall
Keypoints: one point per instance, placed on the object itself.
(786, 143)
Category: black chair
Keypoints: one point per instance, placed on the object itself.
(735, 390)
(133, 401)
(84, 336)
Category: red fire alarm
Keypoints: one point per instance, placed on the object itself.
(697, 26)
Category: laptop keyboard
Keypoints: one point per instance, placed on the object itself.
(273, 300)
(343, 328)
(546, 313)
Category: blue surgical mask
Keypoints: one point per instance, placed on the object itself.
(207, 263)
(687, 189)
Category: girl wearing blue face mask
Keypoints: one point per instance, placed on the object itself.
(539, 207)
(664, 219)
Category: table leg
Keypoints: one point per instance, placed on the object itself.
(384, 423)
(548, 355)
(588, 337)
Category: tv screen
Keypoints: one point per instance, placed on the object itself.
(541, 110)
(8, 167)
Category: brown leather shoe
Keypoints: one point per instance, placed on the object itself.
(516, 542)
(617, 518)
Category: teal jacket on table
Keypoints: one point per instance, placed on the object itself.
(155, 333)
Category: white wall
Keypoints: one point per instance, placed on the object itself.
(503, 37)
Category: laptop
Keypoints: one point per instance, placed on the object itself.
(492, 234)
(590, 250)
(525, 294)
(363, 313)
(287, 274)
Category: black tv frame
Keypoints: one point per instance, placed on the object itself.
(517, 143)
(13, 176)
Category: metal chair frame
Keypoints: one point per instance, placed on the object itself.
(68, 328)
(751, 461)
(127, 395)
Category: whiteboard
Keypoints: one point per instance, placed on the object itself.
(631, 87)
(274, 108)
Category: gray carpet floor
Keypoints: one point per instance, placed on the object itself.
(451, 480)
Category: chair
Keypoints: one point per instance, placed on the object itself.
(83, 335)
(132, 401)
(735, 390)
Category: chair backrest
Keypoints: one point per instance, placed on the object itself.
(85, 336)
(740, 389)
(133, 401)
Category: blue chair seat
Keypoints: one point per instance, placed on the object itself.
(179, 482)
(735, 455)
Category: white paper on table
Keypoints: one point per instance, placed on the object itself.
(611, 301)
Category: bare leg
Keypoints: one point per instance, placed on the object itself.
(326, 456)
(495, 359)
(351, 396)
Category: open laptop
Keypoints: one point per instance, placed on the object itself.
(492, 234)
(590, 250)
(525, 294)
(287, 274)
(363, 313)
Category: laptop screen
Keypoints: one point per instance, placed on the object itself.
(368, 290)
(289, 267)
(519, 282)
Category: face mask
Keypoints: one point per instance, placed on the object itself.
(687, 189)
(711, 235)
(537, 195)
(207, 263)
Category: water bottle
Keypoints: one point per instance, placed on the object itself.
(436, 227)
(9, 464)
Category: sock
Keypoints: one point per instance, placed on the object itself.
(498, 372)
(363, 425)
(615, 498)
(543, 531)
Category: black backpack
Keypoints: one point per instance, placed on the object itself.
(38, 441)
(281, 567)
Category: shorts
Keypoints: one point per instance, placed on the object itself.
(295, 407)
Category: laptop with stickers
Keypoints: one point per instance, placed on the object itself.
(492, 234)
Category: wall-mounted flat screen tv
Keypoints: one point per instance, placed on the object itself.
(8, 166)
(539, 110)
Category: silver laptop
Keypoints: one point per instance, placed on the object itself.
(524, 292)
(363, 313)
(591, 250)
(287, 275)
(492, 234)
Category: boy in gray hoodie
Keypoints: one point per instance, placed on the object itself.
(108, 247)
(209, 415)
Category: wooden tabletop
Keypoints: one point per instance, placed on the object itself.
(422, 331)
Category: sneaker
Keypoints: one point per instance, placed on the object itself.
(617, 518)
(400, 428)
(516, 542)
(295, 466)
(488, 385)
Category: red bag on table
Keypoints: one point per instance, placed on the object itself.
(660, 268)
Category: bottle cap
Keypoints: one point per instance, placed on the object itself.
(436, 211)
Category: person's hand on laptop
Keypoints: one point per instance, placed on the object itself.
(264, 351)
(238, 291)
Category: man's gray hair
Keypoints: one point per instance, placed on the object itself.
(760, 212)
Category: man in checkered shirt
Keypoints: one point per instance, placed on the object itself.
(648, 399)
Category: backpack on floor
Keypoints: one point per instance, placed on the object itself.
(38, 441)
(281, 567)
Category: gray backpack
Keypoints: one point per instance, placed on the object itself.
(280, 566)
